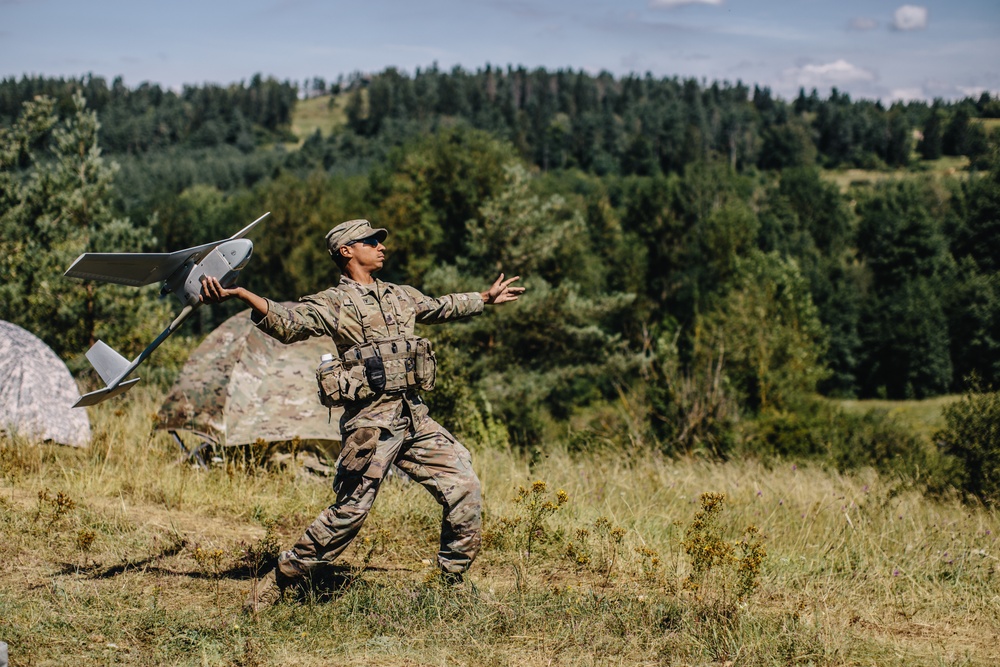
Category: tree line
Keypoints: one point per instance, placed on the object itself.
(644, 125)
(563, 119)
(147, 117)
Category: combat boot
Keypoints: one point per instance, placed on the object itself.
(270, 588)
(264, 592)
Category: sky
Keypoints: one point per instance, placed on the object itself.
(872, 49)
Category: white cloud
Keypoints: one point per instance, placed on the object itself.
(975, 91)
(862, 23)
(907, 94)
(910, 17)
(933, 89)
(670, 4)
(837, 73)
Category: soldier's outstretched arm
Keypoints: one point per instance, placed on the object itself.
(212, 291)
(501, 291)
(460, 305)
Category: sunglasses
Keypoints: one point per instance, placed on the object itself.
(370, 241)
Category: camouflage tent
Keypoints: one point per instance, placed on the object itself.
(240, 386)
(37, 392)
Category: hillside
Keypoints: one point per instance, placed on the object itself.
(324, 113)
(327, 113)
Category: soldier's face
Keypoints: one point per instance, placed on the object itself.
(368, 253)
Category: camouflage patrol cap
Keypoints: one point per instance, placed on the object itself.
(352, 230)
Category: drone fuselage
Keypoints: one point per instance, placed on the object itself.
(223, 262)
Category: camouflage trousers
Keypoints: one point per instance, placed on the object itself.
(428, 454)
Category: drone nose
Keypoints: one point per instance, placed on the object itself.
(237, 253)
(246, 258)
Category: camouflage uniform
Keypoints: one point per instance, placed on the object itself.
(390, 428)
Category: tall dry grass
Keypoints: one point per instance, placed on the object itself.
(121, 554)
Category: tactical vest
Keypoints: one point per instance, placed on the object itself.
(378, 366)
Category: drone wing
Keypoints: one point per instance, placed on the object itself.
(134, 268)
(143, 268)
(246, 230)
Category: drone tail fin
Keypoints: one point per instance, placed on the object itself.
(109, 364)
(95, 397)
(112, 367)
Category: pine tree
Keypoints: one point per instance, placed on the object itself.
(562, 346)
(930, 145)
(903, 326)
(54, 208)
(767, 330)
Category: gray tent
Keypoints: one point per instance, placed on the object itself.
(37, 392)
(241, 386)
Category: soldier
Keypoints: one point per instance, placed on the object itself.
(375, 376)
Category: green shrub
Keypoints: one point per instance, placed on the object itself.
(877, 439)
(972, 436)
(820, 430)
(692, 407)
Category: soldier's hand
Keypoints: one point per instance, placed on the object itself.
(212, 290)
(501, 291)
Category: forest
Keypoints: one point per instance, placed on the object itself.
(684, 244)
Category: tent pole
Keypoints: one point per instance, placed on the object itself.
(191, 454)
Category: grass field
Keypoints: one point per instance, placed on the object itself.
(923, 417)
(317, 113)
(989, 123)
(121, 555)
(941, 168)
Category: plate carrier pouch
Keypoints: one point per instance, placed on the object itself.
(388, 365)
(327, 377)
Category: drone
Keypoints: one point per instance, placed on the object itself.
(181, 273)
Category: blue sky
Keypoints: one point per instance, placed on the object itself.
(872, 49)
